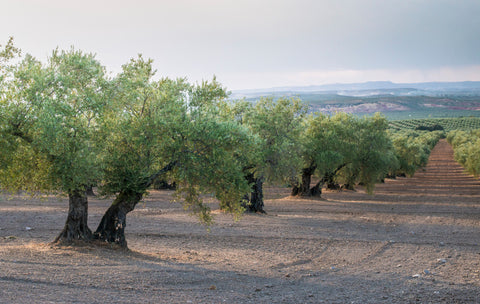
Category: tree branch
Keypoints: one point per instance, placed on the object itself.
(164, 170)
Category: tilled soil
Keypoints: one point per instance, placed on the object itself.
(416, 240)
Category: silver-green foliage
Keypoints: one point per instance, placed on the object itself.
(466, 145)
(278, 125)
(349, 149)
(412, 150)
(50, 118)
(152, 124)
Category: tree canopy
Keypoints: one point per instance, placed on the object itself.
(466, 149)
(65, 125)
(52, 116)
(273, 155)
(343, 148)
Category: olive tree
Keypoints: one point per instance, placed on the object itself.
(374, 154)
(412, 149)
(154, 128)
(466, 149)
(66, 126)
(344, 149)
(52, 115)
(8, 142)
(274, 157)
(327, 146)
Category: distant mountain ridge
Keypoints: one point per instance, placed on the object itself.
(394, 100)
(370, 88)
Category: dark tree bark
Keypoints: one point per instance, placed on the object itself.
(90, 191)
(348, 186)
(317, 189)
(112, 226)
(303, 189)
(391, 176)
(255, 198)
(76, 228)
(329, 179)
(161, 184)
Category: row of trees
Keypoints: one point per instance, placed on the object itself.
(65, 126)
(412, 149)
(466, 145)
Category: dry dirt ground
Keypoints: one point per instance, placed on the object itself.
(415, 241)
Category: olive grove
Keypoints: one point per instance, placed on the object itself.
(67, 125)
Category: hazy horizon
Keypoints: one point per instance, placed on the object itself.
(255, 44)
(372, 82)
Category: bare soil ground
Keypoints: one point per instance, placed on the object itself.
(415, 241)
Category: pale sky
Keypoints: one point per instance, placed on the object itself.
(261, 43)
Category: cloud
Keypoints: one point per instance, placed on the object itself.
(251, 43)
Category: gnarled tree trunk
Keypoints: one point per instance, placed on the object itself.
(303, 189)
(76, 227)
(112, 226)
(330, 178)
(256, 196)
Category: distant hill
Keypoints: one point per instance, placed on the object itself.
(372, 88)
(395, 100)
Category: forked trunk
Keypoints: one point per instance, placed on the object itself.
(76, 227)
(303, 189)
(329, 179)
(112, 226)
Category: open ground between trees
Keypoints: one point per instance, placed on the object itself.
(415, 240)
